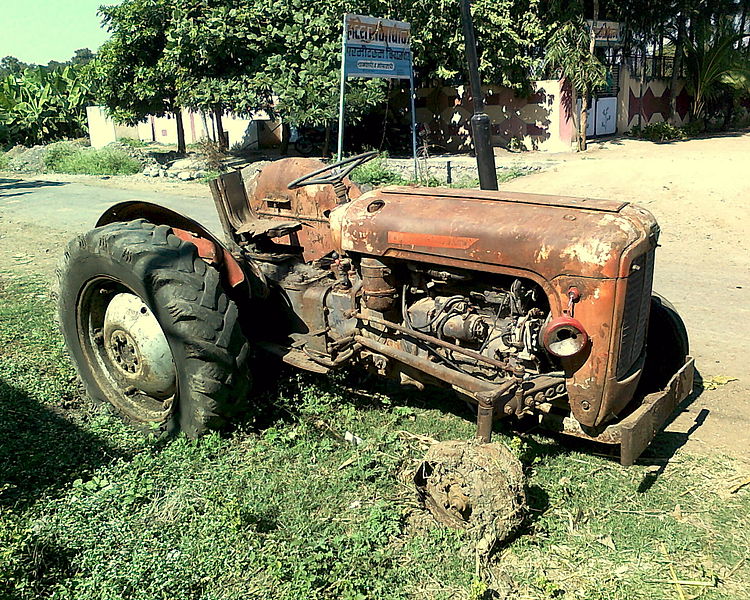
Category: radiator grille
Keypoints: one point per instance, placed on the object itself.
(635, 312)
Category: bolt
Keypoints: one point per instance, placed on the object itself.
(508, 410)
(529, 401)
(585, 405)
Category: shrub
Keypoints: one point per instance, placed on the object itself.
(66, 157)
(658, 132)
(4, 162)
(377, 173)
(132, 142)
(212, 153)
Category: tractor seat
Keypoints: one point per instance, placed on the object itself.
(272, 228)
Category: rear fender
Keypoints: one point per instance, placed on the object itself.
(209, 247)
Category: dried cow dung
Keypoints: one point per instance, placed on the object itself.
(473, 486)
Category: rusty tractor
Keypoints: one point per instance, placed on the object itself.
(529, 306)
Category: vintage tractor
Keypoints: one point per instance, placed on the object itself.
(530, 306)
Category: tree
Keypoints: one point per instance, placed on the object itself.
(11, 65)
(82, 56)
(137, 78)
(714, 65)
(570, 53)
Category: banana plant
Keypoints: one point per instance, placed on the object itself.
(38, 105)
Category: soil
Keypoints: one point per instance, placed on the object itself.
(476, 487)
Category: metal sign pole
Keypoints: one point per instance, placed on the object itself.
(340, 152)
(480, 122)
(412, 93)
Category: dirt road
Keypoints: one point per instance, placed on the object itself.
(699, 190)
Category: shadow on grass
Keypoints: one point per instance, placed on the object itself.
(41, 451)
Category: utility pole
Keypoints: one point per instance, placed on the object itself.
(480, 122)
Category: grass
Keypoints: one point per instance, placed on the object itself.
(377, 173)
(132, 142)
(4, 161)
(65, 157)
(91, 510)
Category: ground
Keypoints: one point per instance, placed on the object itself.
(284, 508)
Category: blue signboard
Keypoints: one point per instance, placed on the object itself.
(376, 48)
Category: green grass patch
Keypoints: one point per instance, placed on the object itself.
(65, 157)
(377, 173)
(132, 142)
(281, 509)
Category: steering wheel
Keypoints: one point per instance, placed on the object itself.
(337, 176)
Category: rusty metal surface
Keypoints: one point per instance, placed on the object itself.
(558, 242)
(640, 427)
(468, 383)
(635, 432)
(209, 247)
(269, 198)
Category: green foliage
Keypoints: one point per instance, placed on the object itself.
(658, 132)
(37, 105)
(132, 142)
(65, 157)
(136, 78)
(714, 65)
(569, 54)
(377, 173)
(4, 161)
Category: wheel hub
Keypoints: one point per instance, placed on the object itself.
(137, 348)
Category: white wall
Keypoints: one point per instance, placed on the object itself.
(103, 130)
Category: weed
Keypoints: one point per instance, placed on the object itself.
(132, 142)
(4, 162)
(68, 157)
(665, 132)
(209, 176)
(212, 154)
(377, 173)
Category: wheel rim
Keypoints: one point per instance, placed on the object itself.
(127, 350)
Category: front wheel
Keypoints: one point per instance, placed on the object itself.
(667, 346)
(150, 328)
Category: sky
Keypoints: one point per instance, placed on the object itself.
(37, 31)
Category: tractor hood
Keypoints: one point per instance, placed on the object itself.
(550, 236)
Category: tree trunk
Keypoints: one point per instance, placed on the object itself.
(286, 133)
(206, 128)
(327, 139)
(586, 91)
(221, 138)
(584, 121)
(181, 148)
(676, 66)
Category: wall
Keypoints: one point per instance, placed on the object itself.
(650, 101)
(540, 121)
(103, 130)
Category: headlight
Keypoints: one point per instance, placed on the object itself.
(564, 337)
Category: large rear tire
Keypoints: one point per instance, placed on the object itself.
(151, 330)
